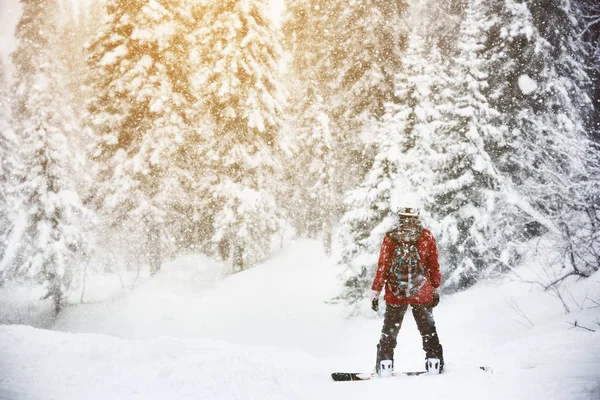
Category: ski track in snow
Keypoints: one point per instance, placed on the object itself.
(269, 333)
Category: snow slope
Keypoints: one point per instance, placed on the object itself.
(270, 333)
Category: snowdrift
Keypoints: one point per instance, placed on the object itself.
(271, 332)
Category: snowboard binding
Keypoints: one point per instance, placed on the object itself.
(434, 366)
(385, 368)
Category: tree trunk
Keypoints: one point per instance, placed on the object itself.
(238, 258)
(153, 250)
(327, 234)
(224, 249)
(57, 297)
(55, 292)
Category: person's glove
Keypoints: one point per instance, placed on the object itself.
(436, 299)
(375, 304)
(374, 297)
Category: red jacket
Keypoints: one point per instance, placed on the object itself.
(429, 257)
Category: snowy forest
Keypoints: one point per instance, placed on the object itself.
(134, 132)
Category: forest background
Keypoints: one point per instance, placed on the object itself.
(133, 132)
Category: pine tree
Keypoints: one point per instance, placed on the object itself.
(368, 214)
(79, 24)
(237, 79)
(139, 116)
(588, 12)
(316, 183)
(425, 100)
(402, 171)
(366, 41)
(49, 206)
(346, 54)
(313, 196)
(366, 55)
(438, 21)
(305, 37)
(8, 166)
(541, 85)
(467, 197)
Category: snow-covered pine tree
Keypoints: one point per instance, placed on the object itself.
(79, 24)
(139, 115)
(317, 180)
(404, 138)
(313, 196)
(589, 15)
(425, 100)
(467, 189)
(345, 54)
(541, 84)
(437, 21)
(8, 165)
(305, 37)
(366, 39)
(238, 81)
(368, 215)
(366, 55)
(50, 211)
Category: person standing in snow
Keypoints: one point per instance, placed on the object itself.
(408, 267)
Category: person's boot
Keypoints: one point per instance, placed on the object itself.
(383, 368)
(378, 360)
(434, 366)
(386, 368)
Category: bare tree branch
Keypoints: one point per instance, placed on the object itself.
(593, 301)
(578, 304)
(576, 325)
(137, 274)
(517, 309)
(574, 272)
(84, 276)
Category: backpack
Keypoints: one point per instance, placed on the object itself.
(406, 275)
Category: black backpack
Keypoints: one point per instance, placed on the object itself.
(406, 275)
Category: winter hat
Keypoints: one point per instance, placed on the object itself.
(409, 227)
(408, 212)
(405, 204)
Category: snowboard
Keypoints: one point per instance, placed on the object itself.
(365, 376)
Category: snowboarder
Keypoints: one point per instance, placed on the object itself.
(408, 266)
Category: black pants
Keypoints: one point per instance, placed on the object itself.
(391, 326)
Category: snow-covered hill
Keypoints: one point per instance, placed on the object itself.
(270, 333)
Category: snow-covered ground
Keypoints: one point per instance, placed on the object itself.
(193, 332)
